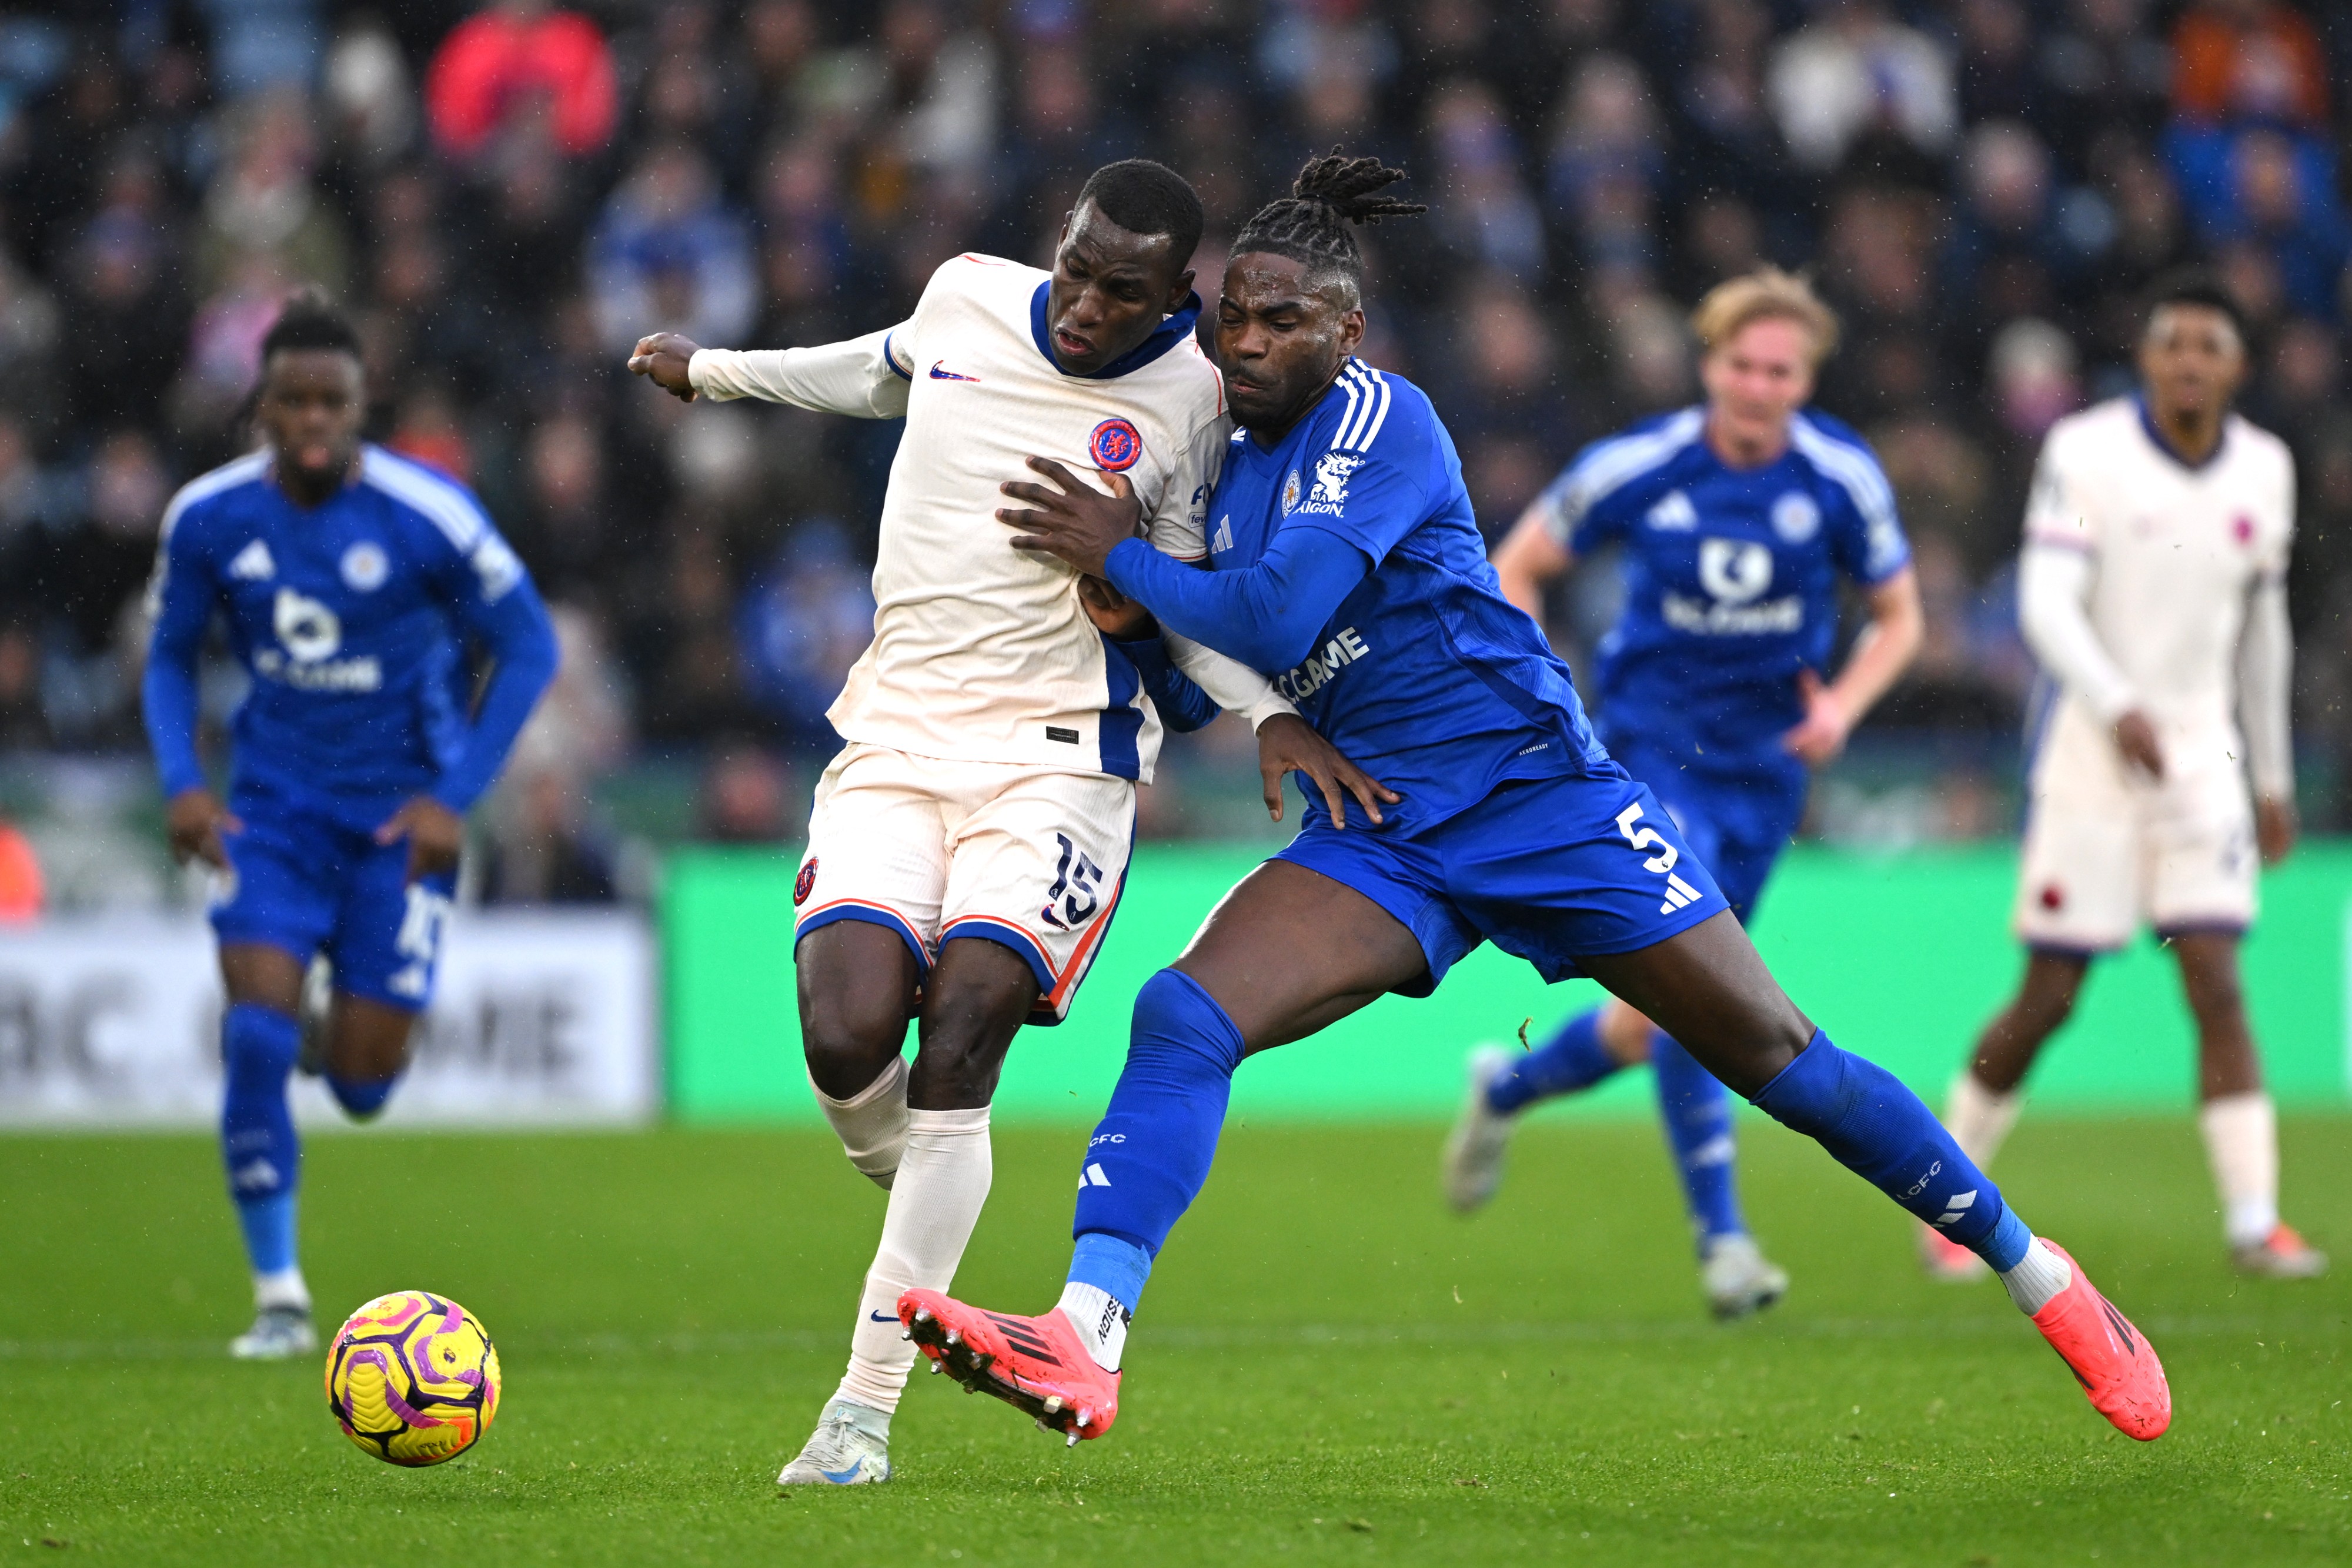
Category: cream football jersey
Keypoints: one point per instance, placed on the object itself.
(2175, 553)
(981, 652)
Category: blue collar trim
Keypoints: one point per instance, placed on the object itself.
(1166, 336)
(2157, 437)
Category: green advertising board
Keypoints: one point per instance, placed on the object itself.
(1901, 958)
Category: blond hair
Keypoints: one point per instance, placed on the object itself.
(1765, 295)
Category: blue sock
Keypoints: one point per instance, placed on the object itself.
(1696, 1110)
(258, 1148)
(1882, 1132)
(1151, 1153)
(1572, 1059)
(361, 1098)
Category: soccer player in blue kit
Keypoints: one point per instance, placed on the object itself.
(1344, 554)
(1740, 520)
(349, 578)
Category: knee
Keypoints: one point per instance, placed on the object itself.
(1175, 1017)
(847, 1035)
(259, 1042)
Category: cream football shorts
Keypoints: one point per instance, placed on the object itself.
(1024, 856)
(2108, 851)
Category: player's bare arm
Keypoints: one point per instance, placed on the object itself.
(1531, 560)
(1881, 654)
(664, 359)
(194, 820)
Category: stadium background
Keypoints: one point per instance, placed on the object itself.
(507, 194)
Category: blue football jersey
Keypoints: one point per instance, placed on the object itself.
(349, 617)
(1425, 676)
(1731, 577)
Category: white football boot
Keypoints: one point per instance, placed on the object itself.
(1739, 1278)
(277, 1333)
(851, 1447)
(1473, 1162)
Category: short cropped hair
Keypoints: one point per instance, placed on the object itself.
(1767, 294)
(1148, 198)
(2201, 287)
(309, 320)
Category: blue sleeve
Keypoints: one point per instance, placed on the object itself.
(491, 598)
(1267, 615)
(1865, 535)
(1183, 705)
(181, 601)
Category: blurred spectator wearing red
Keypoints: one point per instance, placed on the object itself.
(517, 64)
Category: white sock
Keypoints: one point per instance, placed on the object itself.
(2241, 1142)
(285, 1288)
(1100, 1321)
(2039, 1275)
(942, 1181)
(872, 1122)
(1978, 1119)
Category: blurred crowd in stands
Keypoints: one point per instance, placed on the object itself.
(507, 195)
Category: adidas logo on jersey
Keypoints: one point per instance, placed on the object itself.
(253, 563)
(1223, 540)
(1673, 513)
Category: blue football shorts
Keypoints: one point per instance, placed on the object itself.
(1549, 870)
(307, 875)
(1736, 821)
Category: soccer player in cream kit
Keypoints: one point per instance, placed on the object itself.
(2153, 589)
(969, 843)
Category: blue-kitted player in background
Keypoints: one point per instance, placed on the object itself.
(1739, 521)
(352, 582)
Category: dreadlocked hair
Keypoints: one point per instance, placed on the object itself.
(1310, 226)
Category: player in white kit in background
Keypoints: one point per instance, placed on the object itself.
(969, 843)
(2153, 590)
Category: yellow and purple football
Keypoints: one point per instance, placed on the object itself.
(413, 1378)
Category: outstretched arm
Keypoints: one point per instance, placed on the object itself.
(1267, 615)
(863, 377)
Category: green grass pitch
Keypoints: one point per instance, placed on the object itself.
(1330, 1367)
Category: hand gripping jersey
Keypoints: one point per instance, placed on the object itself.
(981, 652)
(1425, 676)
(349, 617)
(1732, 579)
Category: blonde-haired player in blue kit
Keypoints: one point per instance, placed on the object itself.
(1742, 521)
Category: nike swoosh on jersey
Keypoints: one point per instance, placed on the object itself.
(941, 374)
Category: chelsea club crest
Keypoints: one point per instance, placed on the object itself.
(1115, 445)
